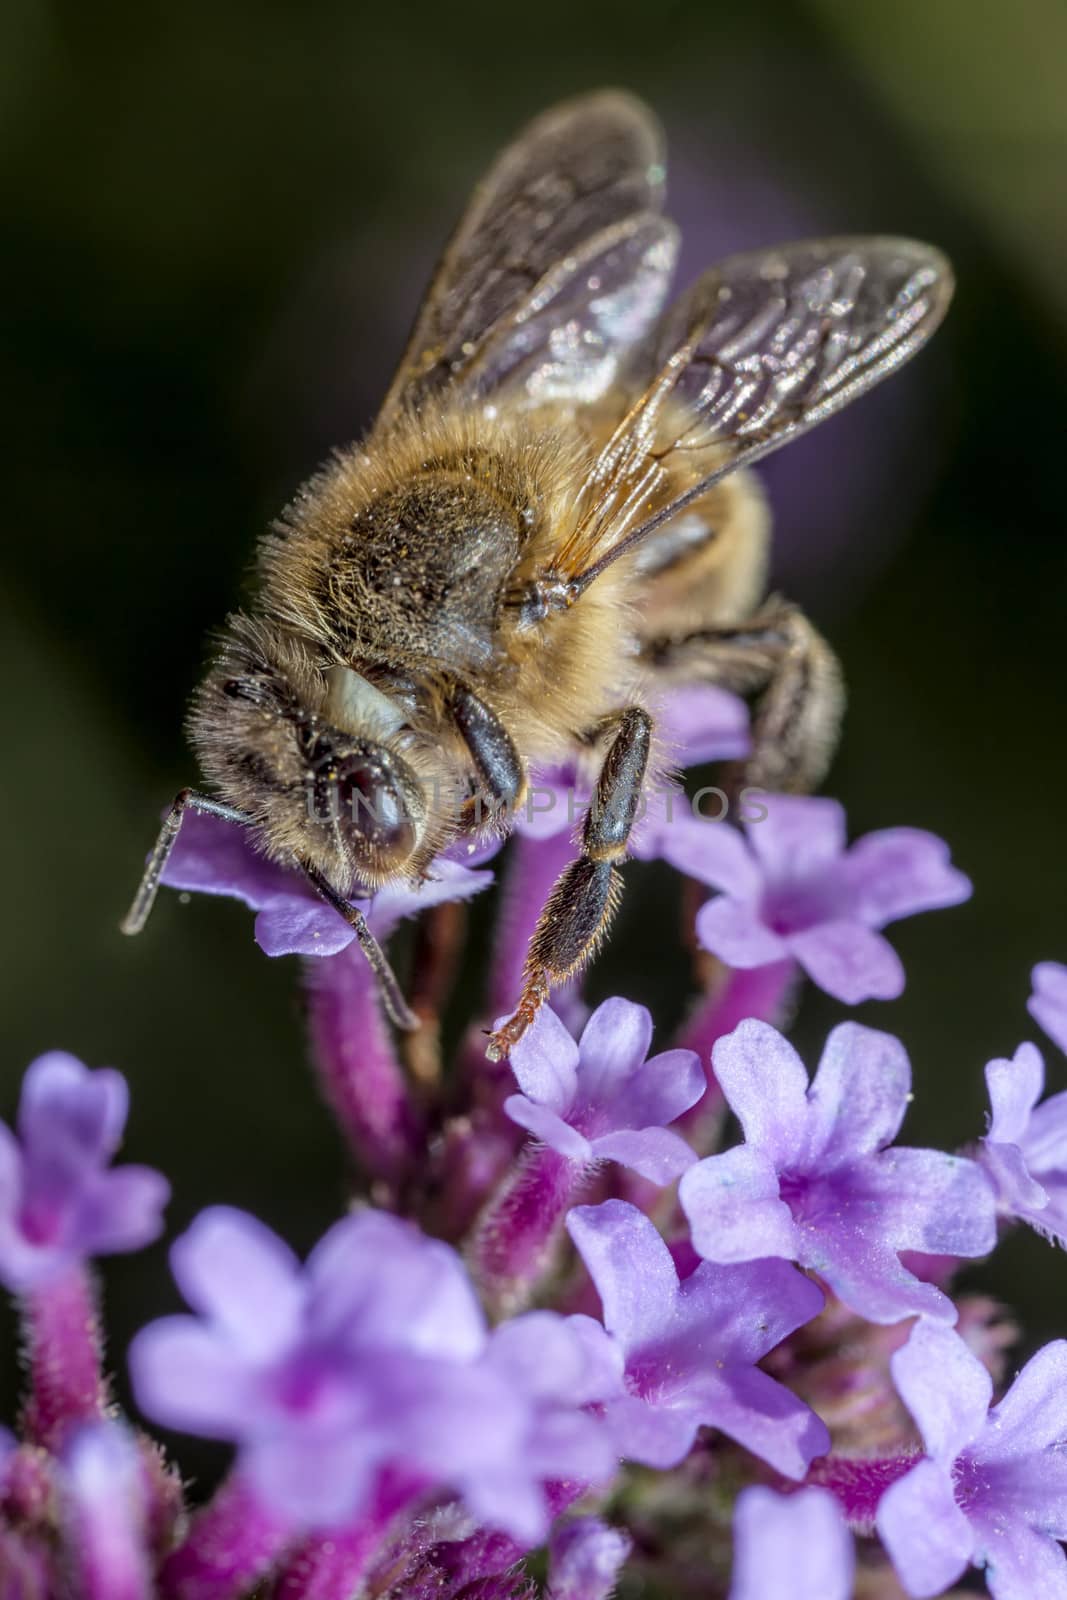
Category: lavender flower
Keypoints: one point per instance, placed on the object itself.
(600, 1099)
(992, 1489)
(585, 1559)
(1048, 1002)
(375, 1355)
(816, 1181)
(791, 889)
(216, 857)
(548, 1368)
(791, 1547)
(106, 1514)
(59, 1202)
(1025, 1150)
(314, 1373)
(690, 1347)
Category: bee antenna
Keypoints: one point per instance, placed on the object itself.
(400, 1013)
(147, 889)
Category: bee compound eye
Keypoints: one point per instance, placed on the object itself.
(369, 799)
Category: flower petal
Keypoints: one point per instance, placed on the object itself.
(657, 1154)
(1018, 1194)
(1033, 1414)
(766, 1085)
(297, 925)
(865, 1273)
(700, 722)
(630, 1266)
(613, 1045)
(763, 1415)
(849, 961)
(791, 1547)
(929, 1540)
(1044, 1143)
(736, 1314)
(899, 871)
(1014, 1087)
(800, 836)
(734, 1210)
(190, 1377)
(712, 852)
(211, 856)
(655, 1435)
(446, 881)
(733, 931)
(300, 926)
(122, 1210)
(549, 1127)
(545, 1063)
(1020, 1563)
(585, 1558)
(859, 1094)
(311, 1481)
(233, 1269)
(1048, 1003)
(377, 1283)
(929, 1200)
(944, 1386)
(63, 1103)
(659, 1092)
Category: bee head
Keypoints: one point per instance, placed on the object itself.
(318, 759)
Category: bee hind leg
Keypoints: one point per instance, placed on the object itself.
(778, 660)
(579, 910)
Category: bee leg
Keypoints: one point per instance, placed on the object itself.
(492, 750)
(583, 901)
(397, 1008)
(185, 800)
(778, 659)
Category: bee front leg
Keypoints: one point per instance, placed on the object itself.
(501, 774)
(583, 901)
(779, 660)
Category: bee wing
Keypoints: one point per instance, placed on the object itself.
(758, 351)
(560, 263)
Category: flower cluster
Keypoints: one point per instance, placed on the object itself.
(574, 1316)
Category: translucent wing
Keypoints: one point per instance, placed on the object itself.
(760, 349)
(561, 262)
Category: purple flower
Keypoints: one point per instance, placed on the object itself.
(585, 1558)
(106, 1514)
(547, 1368)
(1025, 1150)
(992, 1489)
(816, 1181)
(217, 857)
(791, 1547)
(791, 889)
(600, 1099)
(312, 1372)
(372, 1356)
(1048, 1003)
(690, 1346)
(59, 1202)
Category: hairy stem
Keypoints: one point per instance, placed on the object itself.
(65, 1350)
(230, 1545)
(361, 1077)
(516, 1237)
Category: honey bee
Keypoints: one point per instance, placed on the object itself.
(550, 519)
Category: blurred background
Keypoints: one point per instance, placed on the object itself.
(218, 218)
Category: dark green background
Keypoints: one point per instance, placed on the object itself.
(216, 222)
